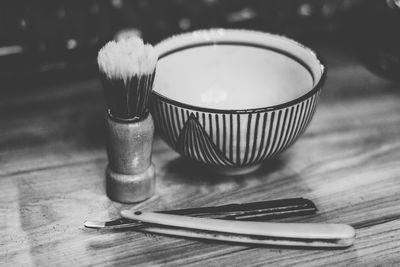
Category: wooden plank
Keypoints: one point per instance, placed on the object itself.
(52, 179)
(55, 125)
(46, 200)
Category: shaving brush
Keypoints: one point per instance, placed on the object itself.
(127, 69)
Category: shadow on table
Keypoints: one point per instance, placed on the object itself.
(184, 171)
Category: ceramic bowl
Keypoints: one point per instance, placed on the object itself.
(231, 99)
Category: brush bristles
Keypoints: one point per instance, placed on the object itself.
(126, 58)
(128, 100)
(127, 70)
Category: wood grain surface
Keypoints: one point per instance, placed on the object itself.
(52, 162)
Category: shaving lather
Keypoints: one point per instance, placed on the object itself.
(127, 69)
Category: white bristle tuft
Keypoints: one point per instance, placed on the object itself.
(126, 58)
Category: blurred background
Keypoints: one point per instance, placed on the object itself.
(44, 40)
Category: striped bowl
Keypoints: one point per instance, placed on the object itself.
(231, 99)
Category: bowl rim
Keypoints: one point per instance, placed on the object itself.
(295, 101)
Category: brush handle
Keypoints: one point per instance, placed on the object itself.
(130, 173)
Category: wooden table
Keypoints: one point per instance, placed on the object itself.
(52, 162)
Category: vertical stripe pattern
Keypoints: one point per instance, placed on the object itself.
(231, 139)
